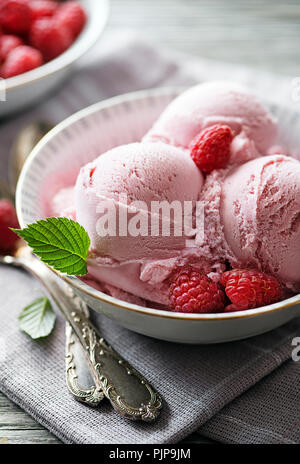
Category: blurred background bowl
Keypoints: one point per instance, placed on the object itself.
(28, 88)
(77, 141)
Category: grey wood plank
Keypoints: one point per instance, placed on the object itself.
(260, 33)
(27, 437)
(17, 427)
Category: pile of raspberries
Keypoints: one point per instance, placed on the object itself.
(33, 32)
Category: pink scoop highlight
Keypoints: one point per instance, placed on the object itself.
(217, 103)
(145, 173)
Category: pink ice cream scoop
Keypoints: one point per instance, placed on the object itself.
(249, 214)
(134, 179)
(126, 185)
(62, 204)
(217, 103)
(258, 224)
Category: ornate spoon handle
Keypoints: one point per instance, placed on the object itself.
(79, 378)
(129, 393)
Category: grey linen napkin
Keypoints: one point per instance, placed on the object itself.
(201, 385)
(266, 413)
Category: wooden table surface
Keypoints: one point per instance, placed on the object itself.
(261, 33)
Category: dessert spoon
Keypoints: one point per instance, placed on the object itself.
(87, 379)
(127, 390)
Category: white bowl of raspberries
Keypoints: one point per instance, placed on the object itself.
(39, 42)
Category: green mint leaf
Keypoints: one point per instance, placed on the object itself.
(37, 319)
(60, 242)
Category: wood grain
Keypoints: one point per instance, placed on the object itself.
(17, 427)
(260, 33)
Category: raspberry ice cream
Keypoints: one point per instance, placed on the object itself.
(129, 180)
(63, 203)
(217, 103)
(260, 213)
(145, 173)
(252, 217)
(250, 206)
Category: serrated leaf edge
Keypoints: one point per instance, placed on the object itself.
(30, 229)
(46, 303)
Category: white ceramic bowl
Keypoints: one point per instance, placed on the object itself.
(28, 88)
(81, 138)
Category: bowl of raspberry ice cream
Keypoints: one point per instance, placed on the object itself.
(192, 204)
(40, 40)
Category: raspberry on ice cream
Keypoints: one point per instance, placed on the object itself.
(211, 148)
(251, 209)
(213, 103)
(193, 292)
(248, 289)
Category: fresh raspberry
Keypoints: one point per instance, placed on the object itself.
(248, 289)
(211, 148)
(7, 44)
(21, 60)
(192, 292)
(42, 8)
(15, 16)
(231, 308)
(8, 218)
(71, 15)
(51, 38)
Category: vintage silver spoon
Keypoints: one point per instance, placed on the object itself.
(128, 391)
(82, 376)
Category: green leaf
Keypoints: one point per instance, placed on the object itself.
(60, 242)
(37, 319)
